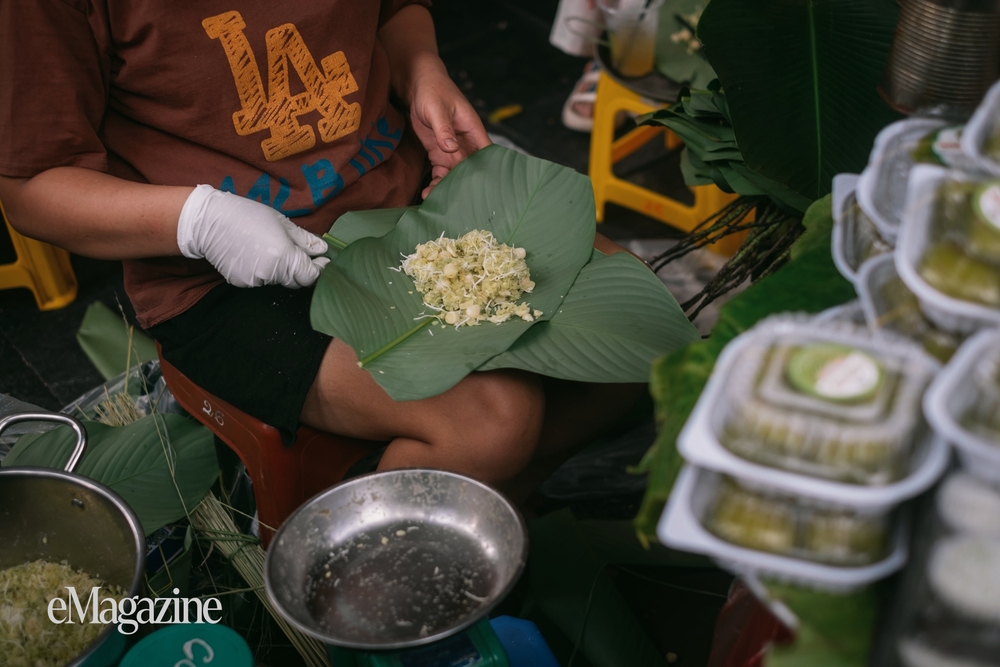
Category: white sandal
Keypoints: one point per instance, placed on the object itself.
(584, 92)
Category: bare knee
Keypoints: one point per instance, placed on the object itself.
(500, 429)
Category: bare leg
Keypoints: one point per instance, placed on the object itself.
(487, 426)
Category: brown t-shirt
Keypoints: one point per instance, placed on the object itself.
(286, 103)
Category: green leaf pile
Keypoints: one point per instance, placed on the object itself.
(604, 317)
(133, 461)
(701, 119)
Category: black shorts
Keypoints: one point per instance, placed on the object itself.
(253, 347)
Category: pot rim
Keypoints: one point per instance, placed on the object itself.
(138, 534)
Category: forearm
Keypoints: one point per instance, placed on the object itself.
(411, 46)
(93, 214)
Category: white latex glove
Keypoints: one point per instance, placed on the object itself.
(249, 243)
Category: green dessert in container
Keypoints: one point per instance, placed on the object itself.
(835, 373)
(964, 260)
(768, 521)
(942, 146)
(993, 144)
(897, 309)
(825, 409)
(982, 416)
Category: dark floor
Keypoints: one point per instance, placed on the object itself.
(499, 54)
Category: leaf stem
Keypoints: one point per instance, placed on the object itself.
(388, 346)
(334, 241)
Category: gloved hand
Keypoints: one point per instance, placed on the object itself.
(249, 243)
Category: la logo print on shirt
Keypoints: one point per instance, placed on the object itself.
(277, 110)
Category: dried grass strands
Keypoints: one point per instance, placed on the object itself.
(244, 552)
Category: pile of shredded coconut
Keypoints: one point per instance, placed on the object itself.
(471, 279)
(27, 637)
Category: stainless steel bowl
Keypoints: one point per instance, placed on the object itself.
(59, 516)
(395, 559)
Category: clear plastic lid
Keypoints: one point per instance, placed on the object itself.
(967, 504)
(882, 186)
(956, 595)
(890, 305)
(963, 404)
(825, 400)
(945, 250)
(981, 138)
(855, 238)
(982, 416)
(963, 257)
(758, 518)
(962, 613)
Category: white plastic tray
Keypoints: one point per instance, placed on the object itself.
(864, 288)
(982, 124)
(844, 186)
(679, 528)
(950, 394)
(850, 312)
(881, 189)
(945, 311)
(843, 189)
(699, 444)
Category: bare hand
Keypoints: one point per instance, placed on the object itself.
(446, 124)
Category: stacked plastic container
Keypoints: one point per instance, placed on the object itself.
(956, 615)
(802, 448)
(812, 433)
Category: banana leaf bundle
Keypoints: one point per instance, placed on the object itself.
(604, 317)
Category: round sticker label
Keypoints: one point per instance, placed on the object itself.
(947, 144)
(849, 376)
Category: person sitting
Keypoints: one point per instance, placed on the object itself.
(207, 145)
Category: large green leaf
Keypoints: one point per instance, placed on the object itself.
(132, 460)
(527, 202)
(808, 283)
(596, 335)
(801, 81)
(104, 338)
(835, 629)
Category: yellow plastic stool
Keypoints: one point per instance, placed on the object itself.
(605, 151)
(42, 268)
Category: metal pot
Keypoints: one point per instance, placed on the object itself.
(59, 516)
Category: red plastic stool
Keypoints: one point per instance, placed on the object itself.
(283, 477)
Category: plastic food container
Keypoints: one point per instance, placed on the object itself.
(967, 504)
(849, 313)
(959, 619)
(881, 190)
(981, 138)
(855, 238)
(963, 404)
(890, 305)
(942, 254)
(943, 146)
(753, 421)
(750, 528)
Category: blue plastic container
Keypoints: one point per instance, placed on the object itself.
(523, 643)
